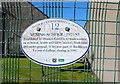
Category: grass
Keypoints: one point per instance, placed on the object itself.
(23, 70)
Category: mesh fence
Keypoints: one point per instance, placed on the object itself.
(100, 19)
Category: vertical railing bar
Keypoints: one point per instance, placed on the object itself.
(116, 48)
(3, 39)
(58, 8)
(55, 9)
(50, 74)
(17, 38)
(96, 48)
(58, 69)
(6, 49)
(61, 16)
(6, 67)
(45, 75)
(62, 9)
(19, 46)
(52, 15)
(49, 9)
(30, 70)
(47, 68)
(101, 39)
(11, 45)
(91, 37)
(11, 42)
(46, 8)
(8, 52)
(87, 63)
(104, 40)
(98, 39)
(52, 9)
(57, 16)
(14, 57)
(16, 25)
(74, 12)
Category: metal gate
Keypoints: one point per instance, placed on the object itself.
(100, 19)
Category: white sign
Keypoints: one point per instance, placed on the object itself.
(55, 42)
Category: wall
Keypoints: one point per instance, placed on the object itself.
(104, 35)
(18, 16)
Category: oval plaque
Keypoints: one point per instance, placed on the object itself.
(55, 42)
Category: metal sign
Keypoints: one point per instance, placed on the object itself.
(55, 42)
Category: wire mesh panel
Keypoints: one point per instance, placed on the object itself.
(104, 33)
(100, 20)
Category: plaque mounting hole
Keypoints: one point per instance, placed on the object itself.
(38, 29)
(67, 29)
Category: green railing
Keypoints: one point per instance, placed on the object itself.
(101, 63)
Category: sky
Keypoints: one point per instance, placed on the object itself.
(74, 11)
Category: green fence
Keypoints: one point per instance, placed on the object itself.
(101, 64)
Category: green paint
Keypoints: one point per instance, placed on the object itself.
(61, 60)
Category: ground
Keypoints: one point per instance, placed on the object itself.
(23, 70)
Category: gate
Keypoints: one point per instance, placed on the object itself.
(100, 19)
